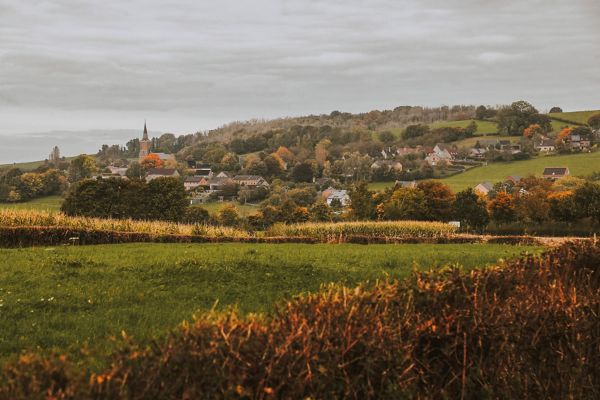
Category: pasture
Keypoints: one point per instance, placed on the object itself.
(578, 164)
(71, 297)
(48, 203)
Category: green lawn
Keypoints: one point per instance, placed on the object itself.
(244, 209)
(48, 203)
(68, 297)
(579, 164)
(575, 116)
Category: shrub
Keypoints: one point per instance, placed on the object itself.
(524, 329)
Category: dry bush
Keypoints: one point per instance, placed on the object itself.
(526, 329)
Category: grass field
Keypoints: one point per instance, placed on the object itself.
(68, 297)
(48, 203)
(575, 116)
(244, 209)
(483, 127)
(579, 164)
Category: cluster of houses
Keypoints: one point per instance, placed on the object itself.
(572, 142)
(550, 173)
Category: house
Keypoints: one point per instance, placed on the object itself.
(554, 173)
(388, 165)
(514, 179)
(341, 195)
(251, 181)
(193, 182)
(405, 184)
(442, 154)
(546, 145)
(484, 188)
(477, 153)
(223, 174)
(216, 184)
(203, 170)
(154, 173)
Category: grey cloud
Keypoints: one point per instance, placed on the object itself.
(229, 60)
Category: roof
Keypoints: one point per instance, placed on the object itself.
(247, 177)
(556, 171)
(338, 193)
(203, 172)
(193, 179)
(486, 185)
(444, 146)
(162, 171)
(546, 143)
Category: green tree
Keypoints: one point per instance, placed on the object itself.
(320, 212)
(439, 199)
(387, 137)
(361, 201)
(407, 204)
(519, 115)
(414, 131)
(471, 210)
(555, 110)
(134, 171)
(81, 167)
(303, 172)
(196, 215)
(594, 121)
(229, 215)
(587, 199)
(166, 199)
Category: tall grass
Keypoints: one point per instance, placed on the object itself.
(30, 218)
(339, 232)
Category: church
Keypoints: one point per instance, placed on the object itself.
(146, 144)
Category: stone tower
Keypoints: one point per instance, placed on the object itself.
(144, 144)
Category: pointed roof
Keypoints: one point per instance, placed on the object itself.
(145, 137)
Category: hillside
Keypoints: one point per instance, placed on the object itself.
(580, 117)
(578, 164)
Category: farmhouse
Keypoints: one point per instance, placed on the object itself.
(554, 173)
(194, 182)
(546, 145)
(484, 188)
(154, 173)
(251, 181)
(442, 154)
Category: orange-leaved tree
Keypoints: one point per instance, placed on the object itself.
(152, 160)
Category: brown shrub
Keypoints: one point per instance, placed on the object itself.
(529, 328)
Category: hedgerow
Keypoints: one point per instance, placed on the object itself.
(528, 328)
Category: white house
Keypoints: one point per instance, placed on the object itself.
(341, 195)
(546, 145)
(484, 188)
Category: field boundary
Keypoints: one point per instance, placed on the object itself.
(15, 237)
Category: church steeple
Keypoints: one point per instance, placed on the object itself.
(144, 144)
(145, 137)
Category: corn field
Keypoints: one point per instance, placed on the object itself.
(339, 232)
(27, 218)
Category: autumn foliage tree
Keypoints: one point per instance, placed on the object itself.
(532, 131)
(152, 160)
(470, 209)
(502, 208)
(439, 199)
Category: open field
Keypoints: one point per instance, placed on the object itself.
(579, 164)
(575, 116)
(48, 203)
(244, 209)
(66, 297)
(483, 127)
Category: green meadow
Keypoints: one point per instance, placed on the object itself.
(578, 164)
(71, 297)
(48, 203)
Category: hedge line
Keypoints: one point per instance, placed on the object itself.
(11, 237)
(527, 329)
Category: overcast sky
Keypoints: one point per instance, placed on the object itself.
(193, 65)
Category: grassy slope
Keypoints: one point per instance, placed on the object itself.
(576, 116)
(483, 127)
(579, 164)
(48, 203)
(146, 289)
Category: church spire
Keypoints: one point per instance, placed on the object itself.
(145, 137)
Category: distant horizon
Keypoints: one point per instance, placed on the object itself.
(116, 135)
